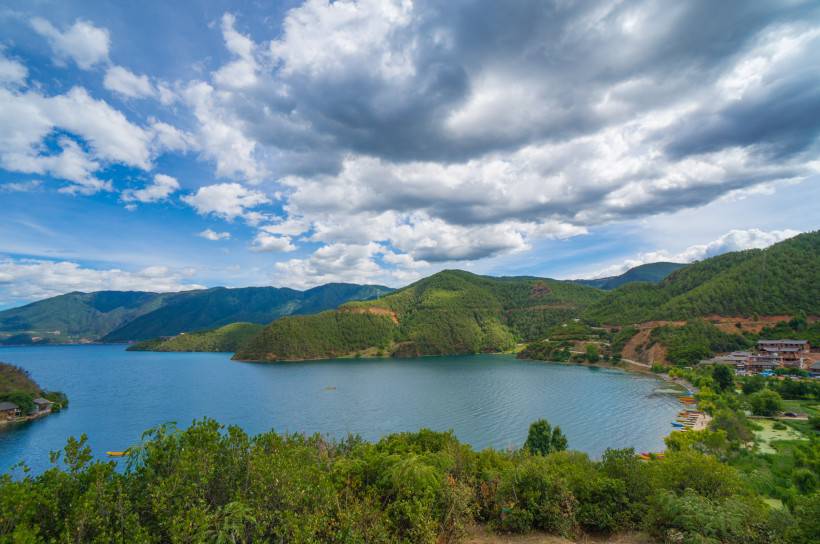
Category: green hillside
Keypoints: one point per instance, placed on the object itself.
(227, 338)
(198, 310)
(650, 272)
(320, 336)
(448, 313)
(782, 279)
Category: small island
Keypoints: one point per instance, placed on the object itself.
(22, 399)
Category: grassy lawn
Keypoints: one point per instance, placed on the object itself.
(809, 407)
(768, 434)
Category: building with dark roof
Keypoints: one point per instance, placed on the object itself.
(9, 410)
(43, 405)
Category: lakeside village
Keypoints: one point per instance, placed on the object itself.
(771, 355)
(12, 413)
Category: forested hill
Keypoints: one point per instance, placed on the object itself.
(650, 272)
(782, 279)
(448, 313)
(116, 316)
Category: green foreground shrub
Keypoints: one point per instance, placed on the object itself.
(214, 484)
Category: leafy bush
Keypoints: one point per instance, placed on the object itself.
(214, 484)
(766, 403)
(542, 439)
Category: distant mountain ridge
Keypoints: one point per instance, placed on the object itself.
(119, 316)
(649, 272)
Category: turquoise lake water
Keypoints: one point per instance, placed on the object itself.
(487, 400)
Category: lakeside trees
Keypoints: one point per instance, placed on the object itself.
(209, 484)
(542, 439)
(766, 403)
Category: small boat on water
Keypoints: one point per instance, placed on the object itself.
(117, 453)
(648, 455)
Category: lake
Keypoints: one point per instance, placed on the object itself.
(487, 400)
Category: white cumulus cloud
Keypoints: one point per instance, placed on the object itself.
(160, 189)
(33, 279)
(82, 42)
(121, 80)
(226, 200)
(214, 236)
(734, 240)
(266, 243)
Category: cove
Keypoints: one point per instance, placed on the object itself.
(487, 400)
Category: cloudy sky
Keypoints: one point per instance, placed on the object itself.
(151, 145)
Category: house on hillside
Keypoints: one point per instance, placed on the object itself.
(9, 411)
(814, 370)
(791, 353)
(785, 346)
(756, 364)
(43, 405)
(736, 359)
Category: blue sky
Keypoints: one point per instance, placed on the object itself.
(162, 146)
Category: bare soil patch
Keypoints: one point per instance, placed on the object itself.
(482, 535)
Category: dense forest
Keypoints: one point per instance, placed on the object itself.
(447, 313)
(324, 335)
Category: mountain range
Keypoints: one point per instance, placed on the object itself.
(650, 272)
(120, 316)
(455, 312)
(449, 312)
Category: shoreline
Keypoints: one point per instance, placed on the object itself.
(26, 419)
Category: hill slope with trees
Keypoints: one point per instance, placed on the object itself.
(783, 279)
(451, 312)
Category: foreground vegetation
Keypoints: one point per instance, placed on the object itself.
(211, 484)
(16, 386)
(779, 459)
